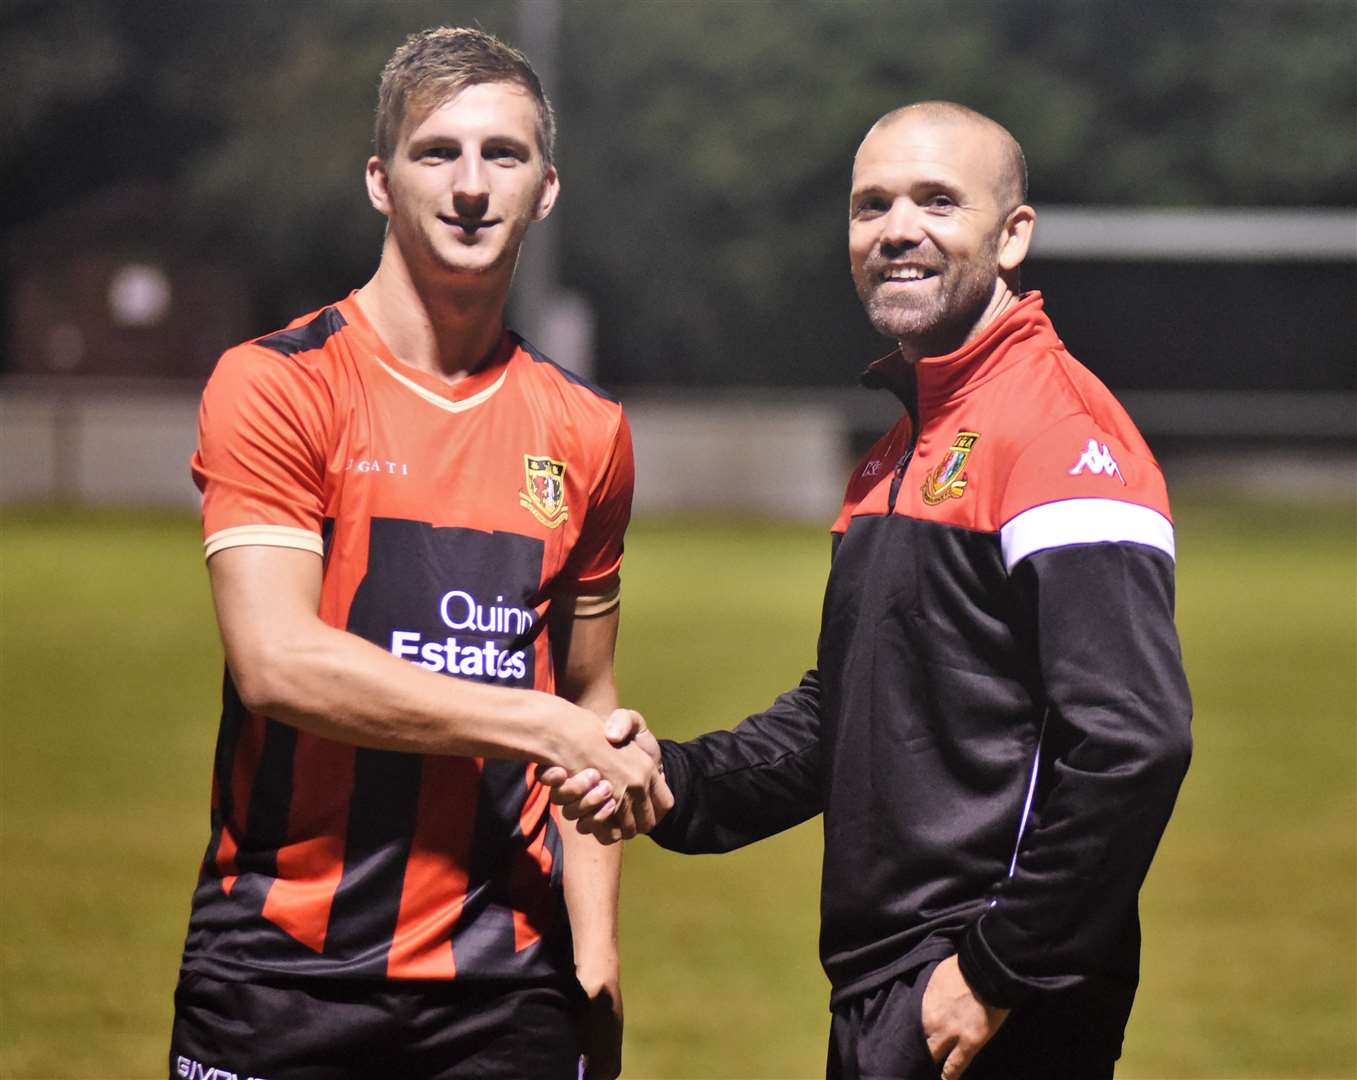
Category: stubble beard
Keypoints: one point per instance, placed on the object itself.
(435, 257)
(938, 324)
(440, 262)
(504, 260)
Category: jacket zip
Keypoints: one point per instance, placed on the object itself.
(900, 467)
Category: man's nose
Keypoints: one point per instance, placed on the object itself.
(471, 185)
(903, 226)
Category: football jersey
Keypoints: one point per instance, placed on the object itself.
(449, 518)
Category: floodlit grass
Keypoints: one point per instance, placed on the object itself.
(109, 662)
(109, 681)
(1251, 907)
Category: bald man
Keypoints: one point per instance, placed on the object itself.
(998, 722)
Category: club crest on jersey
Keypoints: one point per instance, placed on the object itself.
(946, 480)
(543, 494)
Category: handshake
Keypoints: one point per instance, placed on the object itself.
(625, 794)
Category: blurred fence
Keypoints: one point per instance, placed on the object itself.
(779, 453)
(782, 452)
(98, 441)
(1195, 234)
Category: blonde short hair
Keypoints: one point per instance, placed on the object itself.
(433, 65)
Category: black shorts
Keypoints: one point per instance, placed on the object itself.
(1073, 1036)
(326, 1029)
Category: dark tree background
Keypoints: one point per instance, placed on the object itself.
(705, 146)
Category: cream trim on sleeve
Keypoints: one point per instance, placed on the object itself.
(263, 536)
(588, 607)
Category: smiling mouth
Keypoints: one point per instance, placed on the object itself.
(905, 275)
(467, 224)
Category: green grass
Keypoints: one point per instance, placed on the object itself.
(109, 682)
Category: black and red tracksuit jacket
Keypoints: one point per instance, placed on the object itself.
(998, 723)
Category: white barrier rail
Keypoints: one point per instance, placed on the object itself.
(780, 453)
(1195, 234)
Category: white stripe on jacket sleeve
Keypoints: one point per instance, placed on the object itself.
(1084, 521)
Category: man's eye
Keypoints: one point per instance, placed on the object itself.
(439, 153)
(506, 154)
(869, 208)
(939, 202)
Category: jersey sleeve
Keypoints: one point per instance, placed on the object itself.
(592, 573)
(1079, 484)
(260, 460)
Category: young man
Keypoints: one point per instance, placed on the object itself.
(999, 722)
(396, 489)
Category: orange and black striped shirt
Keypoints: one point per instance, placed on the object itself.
(449, 519)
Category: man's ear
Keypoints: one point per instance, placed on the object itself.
(1016, 237)
(379, 191)
(546, 198)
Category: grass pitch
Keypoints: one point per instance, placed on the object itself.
(109, 682)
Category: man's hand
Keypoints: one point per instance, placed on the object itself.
(595, 803)
(956, 1023)
(601, 1025)
(618, 772)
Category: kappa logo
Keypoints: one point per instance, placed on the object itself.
(947, 481)
(543, 494)
(196, 1070)
(1098, 460)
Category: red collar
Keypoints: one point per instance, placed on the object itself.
(1009, 339)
